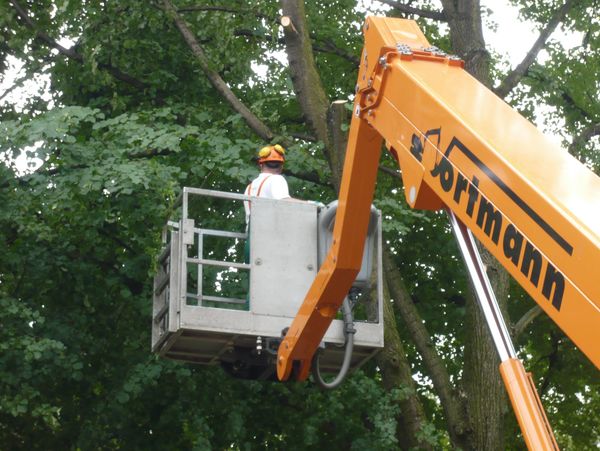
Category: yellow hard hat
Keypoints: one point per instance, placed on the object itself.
(271, 153)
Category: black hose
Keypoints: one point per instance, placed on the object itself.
(349, 332)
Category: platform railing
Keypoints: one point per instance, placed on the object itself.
(171, 281)
(201, 262)
(193, 234)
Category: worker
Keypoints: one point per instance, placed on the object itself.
(269, 183)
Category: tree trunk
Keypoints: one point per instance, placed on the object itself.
(485, 393)
(396, 373)
(486, 398)
(456, 424)
(393, 362)
(305, 78)
(337, 117)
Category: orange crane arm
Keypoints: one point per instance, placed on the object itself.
(460, 147)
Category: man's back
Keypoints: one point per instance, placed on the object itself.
(270, 186)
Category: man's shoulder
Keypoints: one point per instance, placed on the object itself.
(278, 180)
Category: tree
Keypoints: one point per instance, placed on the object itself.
(152, 96)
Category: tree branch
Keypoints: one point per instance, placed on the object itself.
(44, 171)
(43, 36)
(587, 133)
(525, 321)
(256, 35)
(328, 47)
(149, 153)
(311, 177)
(304, 137)
(17, 84)
(215, 79)
(396, 373)
(336, 117)
(72, 54)
(519, 72)
(553, 358)
(189, 9)
(564, 95)
(406, 9)
(305, 78)
(437, 370)
(391, 172)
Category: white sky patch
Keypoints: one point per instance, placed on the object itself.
(513, 38)
(18, 95)
(15, 92)
(38, 85)
(26, 164)
(261, 70)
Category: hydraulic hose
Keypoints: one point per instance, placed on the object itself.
(349, 332)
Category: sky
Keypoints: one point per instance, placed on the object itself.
(514, 36)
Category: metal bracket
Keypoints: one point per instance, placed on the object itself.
(370, 94)
(187, 227)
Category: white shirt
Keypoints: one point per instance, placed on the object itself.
(271, 186)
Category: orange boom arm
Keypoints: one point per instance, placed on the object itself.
(460, 147)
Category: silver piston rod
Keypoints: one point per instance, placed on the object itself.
(483, 289)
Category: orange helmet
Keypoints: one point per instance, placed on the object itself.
(271, 153)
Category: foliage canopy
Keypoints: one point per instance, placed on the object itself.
(127, 117)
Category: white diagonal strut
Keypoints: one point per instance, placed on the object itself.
(483, 289)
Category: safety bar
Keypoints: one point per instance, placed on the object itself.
(201, 233)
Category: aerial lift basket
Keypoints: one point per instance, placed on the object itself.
(212, 304)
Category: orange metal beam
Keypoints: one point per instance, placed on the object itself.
(527, 406)
(339, 270)
(535, 207)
